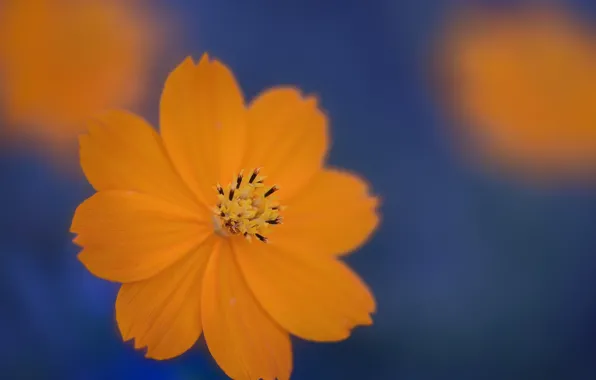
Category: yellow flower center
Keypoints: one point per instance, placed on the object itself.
(246, 207)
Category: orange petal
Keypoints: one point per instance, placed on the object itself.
(287, 136)
(243, 339)
(202, 121)
(123, 152)
(314, 298)
(128, 236)
(333, 215)
(163, 313)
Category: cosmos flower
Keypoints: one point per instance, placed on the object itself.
(523, 84)
(61, 61)
(225, 223)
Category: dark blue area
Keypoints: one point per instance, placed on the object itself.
(475, 277)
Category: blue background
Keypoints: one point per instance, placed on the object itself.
(477, 276)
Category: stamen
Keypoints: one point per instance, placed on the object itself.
(261, 238)
(271, 191)
(254, 175)
(220, 189)
(246, 209)
(239, 180)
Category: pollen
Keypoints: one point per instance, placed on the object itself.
(247, 207)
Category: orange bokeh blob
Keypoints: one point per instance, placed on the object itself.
(62, 61)
(523, 85)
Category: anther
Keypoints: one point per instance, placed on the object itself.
(231, 196)
(220, 189)
(239, 180)
(254, 175)
(274, 221)
(261, 238)
(273, 189)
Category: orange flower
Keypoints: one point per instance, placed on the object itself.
(525, 84)
(64, 60)
(226, 222)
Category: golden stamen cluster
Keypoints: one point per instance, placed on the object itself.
(246, 207)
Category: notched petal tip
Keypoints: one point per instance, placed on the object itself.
(184, 69)
(153, 356)
(127, 335)
(350, 327)
(188, 61)
(148, 352)
(77, 240)
(204, 57)
(138, 344)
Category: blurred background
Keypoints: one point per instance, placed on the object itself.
(475, 121)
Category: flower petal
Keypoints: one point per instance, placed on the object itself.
(287, 136)
(333, 215)
(243, 339)
(314, 298)
(123, 152)
(163, 313)
(202, 121)
(128, 236)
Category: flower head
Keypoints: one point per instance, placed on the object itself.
(524, 83)
(225, 223)
(62, 61)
